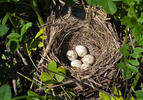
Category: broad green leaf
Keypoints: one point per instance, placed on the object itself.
(44, 77)
(134, 62)
(132, 69)
(107, 5)
(13, 36)
(121, 65)
(5, 92)
(104, 96)
(61, 73)
(3, 30)
(52, 67)
(136, 55)
(127, 73)
(1, 1)
(129, 21)
(24, 29)
(138, 50)
(125, 50)
(91, 2)
(14, 45)
(139, 94)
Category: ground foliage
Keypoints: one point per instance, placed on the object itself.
(21, 41)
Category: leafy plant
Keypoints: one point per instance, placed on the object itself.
(54, 74)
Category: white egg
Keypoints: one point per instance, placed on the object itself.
(81, 50)
(71, 55)
(85, 66)
(76, 63)
(88, 59)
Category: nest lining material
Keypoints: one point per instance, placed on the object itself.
(98, 36)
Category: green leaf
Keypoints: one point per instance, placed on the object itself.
(127, 73)
(134, 62)
(104, 96)
(140, 19)
(14, 45)
(13, 36)
(128, 2)
(24, 29)
(3, 30)
(117, 94)
(138, 50)
(41, 44)
(139, 94)
(137, 31)
(133, 69)
(121, 65)
(61, 73)
(91, 2)
(52, 67)
(129, 21)
(5, 92)
(136, 55)
(107, 5)
(45, 77)
(125, 50)
(5, 19)
(31, 93)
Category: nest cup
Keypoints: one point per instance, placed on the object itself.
(93, 32)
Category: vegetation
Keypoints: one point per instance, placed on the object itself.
(22, 38)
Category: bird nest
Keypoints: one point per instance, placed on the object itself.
(97, 35)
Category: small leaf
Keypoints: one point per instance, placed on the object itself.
(129, 21)
(134, 62)
(5, 92)
(3, 30)
(52, 67)
(139, 94)
(107, 5)
(62, 72)
(136, 55)
(121, 65)
(41, 31)
(31, 93)
(137, 31)
(44, 77)
(13, 36)
(41, 44)
(125, 50)
(5, 19)
(133, 69)
(127, 73)
(138, 50)
(104, 96)
(140, 19)
(24, 29)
